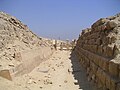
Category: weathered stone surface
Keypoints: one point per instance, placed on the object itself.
(15, 38)
(112, 84)
(110, 25)
(113, 69)
(17, 56)
(116, 50)
(105, 65)
(109, 51)
(100, 49)
(99, 22)
(101, 45)
(99, 41)
(5, 74)
(94, 67)
(107, 81)
(118, 86)
(103, 75)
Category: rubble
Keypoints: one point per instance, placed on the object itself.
(18, 43)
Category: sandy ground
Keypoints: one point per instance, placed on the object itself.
(56, 73)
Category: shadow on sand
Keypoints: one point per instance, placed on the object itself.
(79, 74)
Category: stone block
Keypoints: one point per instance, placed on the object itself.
(118, 86)
(94, 67)
(103, 75)
(105, 66)
(94, 48)
(87, 62)
(95, 59)
(112, 39)
(90, 56)
(5, 74)
(104, 50)
(100, 50)
(85, 31)
(103, 27)
(94, 35)
(93, 41)
(116, 50)
(107, 82)
(99, 22)
(110, 25)
(86, 47)
(88, 70)
(112, 84)
(111, 17)
(109, 51)
(99, 28)
(86, 41)
(99, 84)
(113, 69)
(98, 41)
(101, 62)
(98, 74)
(100, 77)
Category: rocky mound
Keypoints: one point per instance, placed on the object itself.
(16, 37)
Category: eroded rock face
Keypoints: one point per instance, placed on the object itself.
(98, 49)
(15, 37)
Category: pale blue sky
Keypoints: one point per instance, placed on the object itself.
(59, 18)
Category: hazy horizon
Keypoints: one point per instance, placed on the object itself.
(62, 19)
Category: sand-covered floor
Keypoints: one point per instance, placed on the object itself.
(56, 73)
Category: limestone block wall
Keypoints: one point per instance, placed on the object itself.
(98, 49)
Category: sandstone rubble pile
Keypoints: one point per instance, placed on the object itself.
(98, 49)
(15, 39)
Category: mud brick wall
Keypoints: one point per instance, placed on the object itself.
(98, 50)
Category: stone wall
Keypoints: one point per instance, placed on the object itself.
(98, 49)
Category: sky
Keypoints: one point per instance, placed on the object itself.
(62, 19)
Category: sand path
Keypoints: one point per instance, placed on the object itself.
(59, 72)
